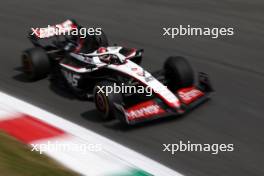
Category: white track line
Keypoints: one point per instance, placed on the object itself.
(113, 149)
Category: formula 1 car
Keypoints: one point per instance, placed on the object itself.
(94, 74)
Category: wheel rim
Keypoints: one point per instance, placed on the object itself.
(102, 104)
(27, 64)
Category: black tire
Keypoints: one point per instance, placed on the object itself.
(101, 40)
(105, 103)
(35, 63)
(178, 72)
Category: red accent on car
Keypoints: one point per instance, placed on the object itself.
(74, 26)
(189, 94)
(57, 29)
(80, 45)
(101, 50)
(143, 110)
(132, 53)
(134, 69)
(27, 129)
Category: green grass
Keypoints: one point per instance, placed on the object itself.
(17, 159)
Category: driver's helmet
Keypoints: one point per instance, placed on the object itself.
(105, 57)
(101, 50)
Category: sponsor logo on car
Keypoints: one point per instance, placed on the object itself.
(188, 95)
(143, 110)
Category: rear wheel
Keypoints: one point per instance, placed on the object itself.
(35, 63)
(178, 72)
(105, 101)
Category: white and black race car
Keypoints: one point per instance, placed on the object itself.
(94, 74)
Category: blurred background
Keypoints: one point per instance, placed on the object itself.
(234, 63)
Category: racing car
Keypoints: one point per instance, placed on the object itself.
(93, 74)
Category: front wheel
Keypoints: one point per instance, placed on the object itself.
(178, 72)
(105, 100)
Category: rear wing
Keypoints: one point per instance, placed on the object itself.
(59, 29)
(44, 37)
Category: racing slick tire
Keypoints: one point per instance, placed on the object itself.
(105, 101)
(36, 64)
(178, 72)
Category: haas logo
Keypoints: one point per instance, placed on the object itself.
(71, 78)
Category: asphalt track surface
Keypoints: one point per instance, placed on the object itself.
(235, 64)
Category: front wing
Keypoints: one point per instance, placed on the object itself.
(190, 97)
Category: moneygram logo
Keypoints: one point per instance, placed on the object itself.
(143, 112)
